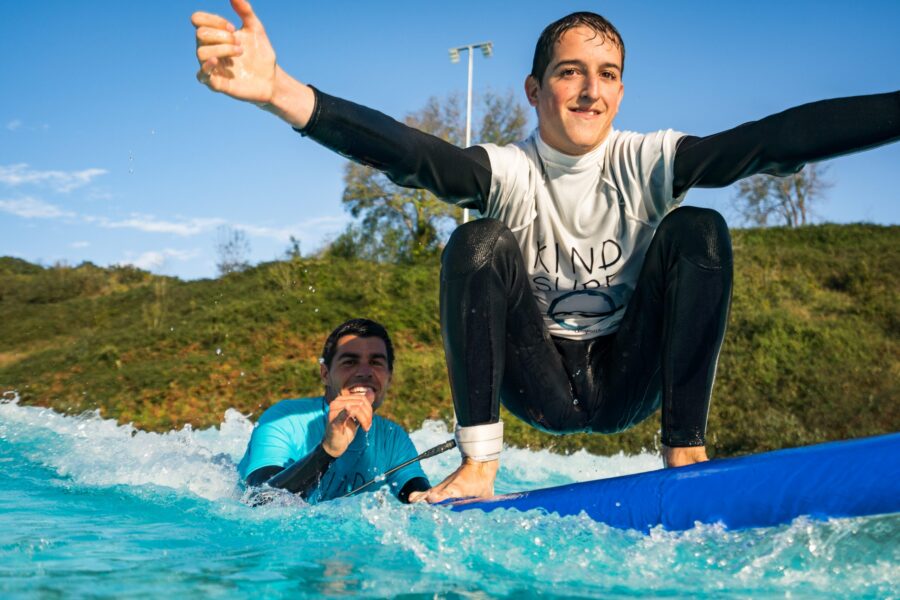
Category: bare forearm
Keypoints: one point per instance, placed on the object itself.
(292, 101)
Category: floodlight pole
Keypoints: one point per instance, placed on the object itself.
(469, 102)
(487, 48)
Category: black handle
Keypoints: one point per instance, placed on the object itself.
(448, 445)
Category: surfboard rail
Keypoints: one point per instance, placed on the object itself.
(836, 479)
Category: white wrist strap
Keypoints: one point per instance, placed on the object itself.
(480, 442)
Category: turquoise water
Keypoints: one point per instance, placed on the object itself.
(91, 508)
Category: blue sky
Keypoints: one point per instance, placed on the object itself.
(110, 151)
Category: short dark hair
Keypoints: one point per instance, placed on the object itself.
(543, 51)
(361, 328)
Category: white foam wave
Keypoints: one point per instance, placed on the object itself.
(523, 469)
(835, 558)
(99, 452)
(428, 550)
(95, 451)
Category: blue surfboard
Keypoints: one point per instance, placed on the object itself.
(838, 479)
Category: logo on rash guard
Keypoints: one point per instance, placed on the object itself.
(584, 309)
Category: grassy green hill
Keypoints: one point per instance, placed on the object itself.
(812, 351)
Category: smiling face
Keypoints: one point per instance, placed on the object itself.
(580, 92)
(360, 365)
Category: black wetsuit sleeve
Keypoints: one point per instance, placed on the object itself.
(783, 143)
(407, 156)
(416, 484)
(302, 477)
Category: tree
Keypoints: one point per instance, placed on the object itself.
(402, 224)
(788, 200)
(293, 250)
(233, 250)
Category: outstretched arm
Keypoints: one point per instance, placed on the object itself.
(406, 155)
(783, 143)
(241, 63)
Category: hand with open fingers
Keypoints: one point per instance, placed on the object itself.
(346, 414)
(236, 62)
(472, 479)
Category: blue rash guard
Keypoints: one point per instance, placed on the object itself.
(291, 429)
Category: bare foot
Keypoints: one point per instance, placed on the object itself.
(679, 457)
(471, 479)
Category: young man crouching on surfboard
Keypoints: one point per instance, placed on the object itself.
(586, 300)
(322, 448)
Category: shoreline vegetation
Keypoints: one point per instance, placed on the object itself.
(812, 352)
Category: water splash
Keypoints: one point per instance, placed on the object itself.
(93, 451)
(90, 507)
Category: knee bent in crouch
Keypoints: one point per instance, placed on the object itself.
(473, 244)
(699, 234)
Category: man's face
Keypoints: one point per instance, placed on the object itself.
(580, 93)
(359, 366)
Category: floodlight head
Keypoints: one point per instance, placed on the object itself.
(487, 49)
(454, 55)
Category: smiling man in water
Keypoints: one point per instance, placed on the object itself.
(587, 299)
(322, 448)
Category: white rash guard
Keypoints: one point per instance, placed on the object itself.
(583, 222)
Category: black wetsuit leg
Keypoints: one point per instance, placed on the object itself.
(665, 350)
(495, 340)
(667, 347)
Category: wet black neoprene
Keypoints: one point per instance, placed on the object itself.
(304, 476)
(664, 351)
(668, 343)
